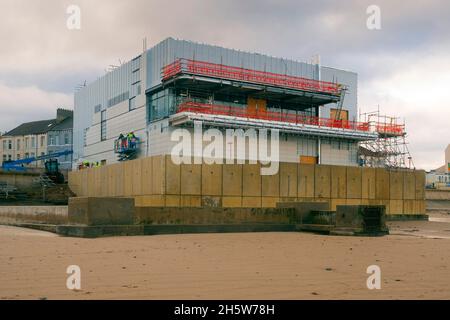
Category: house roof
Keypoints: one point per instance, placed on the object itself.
(63, 121)
(442, 169)
(34, 127)
(66, 124)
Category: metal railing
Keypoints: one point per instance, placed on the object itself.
(224, 110)
(194, 67)
(390, 129)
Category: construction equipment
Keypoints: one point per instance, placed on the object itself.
(51, 165)
(127, 147)
(52, 171)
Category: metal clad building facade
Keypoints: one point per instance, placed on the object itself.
(112, 104)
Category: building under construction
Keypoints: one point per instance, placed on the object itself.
(128, 118)
(177, 82)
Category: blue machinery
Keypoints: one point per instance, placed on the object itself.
(18, 164)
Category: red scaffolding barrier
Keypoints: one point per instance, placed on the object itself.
(221, 71)
(213, 109)
(390, 129)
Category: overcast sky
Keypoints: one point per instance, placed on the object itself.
(404, 68)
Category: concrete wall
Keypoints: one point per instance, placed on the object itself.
(156, 181)
(18, 179)
(33, 214)
(437, 194)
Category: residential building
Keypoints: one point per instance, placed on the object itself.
(36, 138)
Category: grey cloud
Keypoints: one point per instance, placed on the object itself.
(38, 50)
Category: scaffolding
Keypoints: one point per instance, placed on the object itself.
(390, 149)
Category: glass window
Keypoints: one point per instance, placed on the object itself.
(103, 131)
(66, 138)
(117, 99)
(103, 115)
(132, 104)
(103, 126)
(4, 144)
(136, 63)
(9, 144)
(33, 142)
(42, 141)
(85, 137)
(135, 89)
(161, 104)
(135, 76)
(18, 144)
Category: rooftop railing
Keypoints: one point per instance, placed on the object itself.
(194, 67)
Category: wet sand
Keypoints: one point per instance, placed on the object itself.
(414, 261)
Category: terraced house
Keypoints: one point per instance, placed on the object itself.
(36, 138)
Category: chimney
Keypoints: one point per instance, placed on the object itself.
(63, 114)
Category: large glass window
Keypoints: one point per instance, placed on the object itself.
(161, 104)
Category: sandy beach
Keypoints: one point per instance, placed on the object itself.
(414, 262)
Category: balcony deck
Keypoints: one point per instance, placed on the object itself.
(236, 117)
